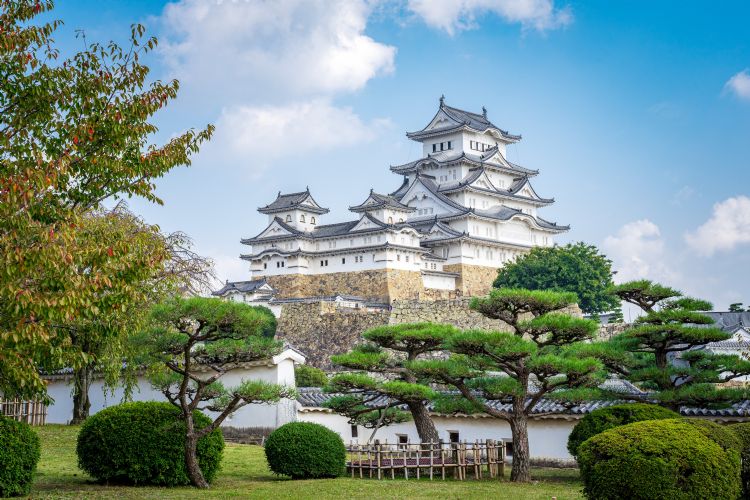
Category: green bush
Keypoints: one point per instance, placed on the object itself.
(19, 454)
(309, 376)
(658, 459)
(143, 443)
(719, 434)
(303, 450)
(614, 416)
(742, 431)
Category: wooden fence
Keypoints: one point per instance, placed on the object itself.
(31, 412)
(428, 459)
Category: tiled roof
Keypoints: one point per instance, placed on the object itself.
(240, 286)
(290, 201)
(379, 201)
(460, 118)
(444, 157)
(312, 397)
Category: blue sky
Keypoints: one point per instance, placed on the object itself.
(637, 114)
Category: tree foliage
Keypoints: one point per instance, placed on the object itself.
(382, 381)
(664, 352)
(193, 343)
(73, 132)
(575, 267)
(309, 376)
(536, 359)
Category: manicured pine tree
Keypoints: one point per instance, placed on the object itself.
(382, 380)
(193, 343)
(519, 367)
(664, 352)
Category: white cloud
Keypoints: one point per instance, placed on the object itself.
(263, 51)
(637, 251)
(257, 135)
(456, 15)
(728, 227)
(268, 73)
(739, 85)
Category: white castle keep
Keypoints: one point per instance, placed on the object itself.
(461, 212)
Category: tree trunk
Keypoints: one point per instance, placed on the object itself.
(425, 426)
(81, 402)
(191, 455)
(521, 471)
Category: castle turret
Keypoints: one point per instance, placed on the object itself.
(298, 210)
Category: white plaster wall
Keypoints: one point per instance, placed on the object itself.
(439, 282)
(61, 411)
(547, 437)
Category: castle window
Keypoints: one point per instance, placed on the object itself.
(434, 266)
(442, 146)
(289, 218)
(265, 265)
(398, 257)
(302, 218)
(434, 148)
(312, 220)
(407, 258)
(343, 260)
(450, 146)
(355, 432)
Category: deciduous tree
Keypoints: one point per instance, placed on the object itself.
(575, 267)
(73, 132)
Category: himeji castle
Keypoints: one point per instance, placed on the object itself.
(461, 212)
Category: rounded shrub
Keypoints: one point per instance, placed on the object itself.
(19, 454)
(613, 416)
(719, 434)
(144, 443)
(742, 431)
(304, 450)
(658, 459)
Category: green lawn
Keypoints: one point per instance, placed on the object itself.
(245, 474)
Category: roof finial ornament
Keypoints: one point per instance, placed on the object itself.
(442, 100)
(484, 112)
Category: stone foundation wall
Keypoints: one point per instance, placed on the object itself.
(320, 329)
(454, 312)
(473, 280)
(382, 285)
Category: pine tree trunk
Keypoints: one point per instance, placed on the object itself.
(425, 426)
(520, 472)
(191, 455)
(81, 402)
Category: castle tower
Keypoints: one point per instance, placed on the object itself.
(462, 211)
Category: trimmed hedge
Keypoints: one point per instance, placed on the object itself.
(742, 431)
(304, 450)
(719, 434)
(19, 454)
(658, 459)
(614, 416)
(144, 443)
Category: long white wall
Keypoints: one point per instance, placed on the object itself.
(256, 415)
(548, 438)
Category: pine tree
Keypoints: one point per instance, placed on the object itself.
(519, 367)
(665, 351)
(383, 380)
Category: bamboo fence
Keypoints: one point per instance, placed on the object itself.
(418, 460)
(31, 412)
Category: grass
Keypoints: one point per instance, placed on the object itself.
(245, 474)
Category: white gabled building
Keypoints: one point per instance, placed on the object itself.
(461, 212)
